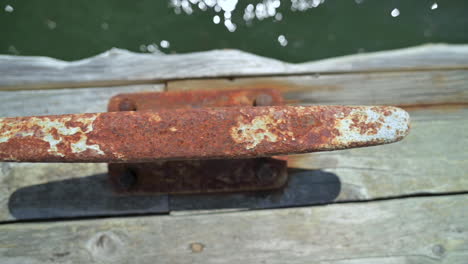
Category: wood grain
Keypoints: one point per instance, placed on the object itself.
(416, 230)
(122, 67)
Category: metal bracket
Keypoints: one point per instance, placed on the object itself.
(193, 142)
(197, 176)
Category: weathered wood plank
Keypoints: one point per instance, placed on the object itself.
(123, 67)
(393, 88)
(416, 230)
(64, 101)
(38, 191)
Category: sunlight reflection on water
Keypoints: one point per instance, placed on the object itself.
(9, 8)
(261, 10)
(282, 40)
(395, 12)
(295, 30)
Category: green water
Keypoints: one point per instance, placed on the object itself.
(73, 30)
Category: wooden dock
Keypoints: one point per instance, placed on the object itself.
(401, 203)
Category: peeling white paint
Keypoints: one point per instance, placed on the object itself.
(261, 128)
(7, 136)
(392, 127)
(52, 144)
(42, 128)
(81, 146)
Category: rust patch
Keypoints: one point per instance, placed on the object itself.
(205, 133)
(197, 176)
(163, 138)
(179, 125)
(254, 132)
(48, 137)
(193, 99)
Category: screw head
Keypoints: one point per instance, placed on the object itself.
(127, 105)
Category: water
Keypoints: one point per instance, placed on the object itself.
(290, 30)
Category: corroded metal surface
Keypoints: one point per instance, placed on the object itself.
(204, 133)
(199, 176)
(194, 99)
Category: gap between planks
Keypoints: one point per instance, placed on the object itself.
(364, 201)
(236, 210)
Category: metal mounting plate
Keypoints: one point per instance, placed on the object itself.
(197, 176)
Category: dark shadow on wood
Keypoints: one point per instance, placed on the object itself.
(81, 197)
(305, 187)
(92, 196)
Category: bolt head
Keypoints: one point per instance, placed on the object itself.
(127, 105)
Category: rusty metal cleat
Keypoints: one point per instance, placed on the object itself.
(166, 142)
